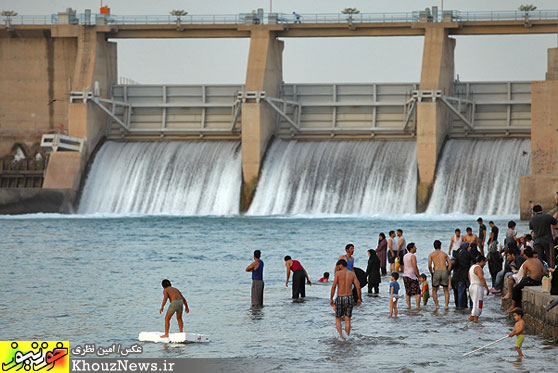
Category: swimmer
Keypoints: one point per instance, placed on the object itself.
(518, 330)
(343, 305)
(177, 301)
(325, 278)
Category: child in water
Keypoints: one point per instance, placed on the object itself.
(393, 293)
(177, 302)
(397, 264)
(325, 278)
(518, 330)
(425, 293)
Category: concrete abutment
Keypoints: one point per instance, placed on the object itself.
(95, 68)
(541, 186)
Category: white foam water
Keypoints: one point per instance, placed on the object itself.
(330, 177)
(182, 178)
(480, 176)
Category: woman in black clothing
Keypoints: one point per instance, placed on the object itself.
(373, 272)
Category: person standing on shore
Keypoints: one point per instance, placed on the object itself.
(439, 265)
(256, 267)
(381, 251)
(493, 237)
(541, 224)
(410, 275)
(476, 279)
(401, 249)
(482, 235)
(299, 274)
(391, 250)
(455, 242)
(343, 305)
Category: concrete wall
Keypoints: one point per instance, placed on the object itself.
(433, 117)
(33, 200)
(543, 182)
(95, 62)
(537, 320)
(264, 73)
(35, 75)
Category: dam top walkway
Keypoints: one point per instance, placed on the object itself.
(284, 18)
(303, 25)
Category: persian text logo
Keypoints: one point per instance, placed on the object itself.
(51, 356)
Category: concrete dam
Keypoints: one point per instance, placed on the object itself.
(268, 147)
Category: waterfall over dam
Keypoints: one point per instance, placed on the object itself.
(330, 177)
(184, 178)
(298, 177)
(480, 176)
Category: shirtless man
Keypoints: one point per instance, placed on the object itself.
(343, 305)
(439, 265)
(470, 237)
(177, 301)
(533, 272)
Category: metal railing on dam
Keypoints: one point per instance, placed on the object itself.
(284, 18)
(362, 110)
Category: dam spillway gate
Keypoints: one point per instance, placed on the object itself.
(313, 111)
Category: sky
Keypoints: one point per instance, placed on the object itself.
(313, 60)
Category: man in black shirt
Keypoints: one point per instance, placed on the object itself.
(482, 236)
(493, 233)
(541, 224)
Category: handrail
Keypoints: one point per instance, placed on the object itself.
(286, 18)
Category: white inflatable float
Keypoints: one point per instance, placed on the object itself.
(173, 337)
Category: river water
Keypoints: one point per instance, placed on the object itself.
(96, 279)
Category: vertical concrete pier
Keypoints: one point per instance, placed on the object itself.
(541, 186)
(264, 73)
(433, 117)
(35, 71)
(95, 65)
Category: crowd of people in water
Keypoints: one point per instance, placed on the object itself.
(519, 260)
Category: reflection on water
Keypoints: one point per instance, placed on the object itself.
(256, 313)
(106, 289)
